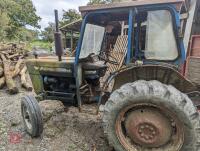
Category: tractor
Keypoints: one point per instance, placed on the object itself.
(131, 61)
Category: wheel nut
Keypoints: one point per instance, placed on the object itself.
(146, 137)
(173, 124)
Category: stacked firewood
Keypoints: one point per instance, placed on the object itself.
(12, 65)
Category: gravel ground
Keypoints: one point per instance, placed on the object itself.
(67, 131)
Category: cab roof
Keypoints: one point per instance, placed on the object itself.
(127, 4)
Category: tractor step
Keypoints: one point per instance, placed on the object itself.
(62, 96)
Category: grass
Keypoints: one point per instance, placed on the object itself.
(39, 44)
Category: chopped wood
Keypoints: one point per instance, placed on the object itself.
(1, 70)
(12, 89)
(12, 65)
(14, 55)
(24, 81)
(17, 68)
(2, 82)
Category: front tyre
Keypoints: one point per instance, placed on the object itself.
(32, 116)
(146, 116)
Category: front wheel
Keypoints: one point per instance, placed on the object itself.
(32, 116)
(146, 116)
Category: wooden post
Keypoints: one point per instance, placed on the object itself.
(189, 24)
(71, 40)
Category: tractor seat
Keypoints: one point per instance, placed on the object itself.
(94, 70)
(99, 65)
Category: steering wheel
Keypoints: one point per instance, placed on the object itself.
(106, 57)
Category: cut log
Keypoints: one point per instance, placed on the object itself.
(24, 81)
(2, 82)
(14, 55)
(4, 47)
(17, 67)
(12, 89)
(1, 70)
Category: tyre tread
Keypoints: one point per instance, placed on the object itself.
(147, 88)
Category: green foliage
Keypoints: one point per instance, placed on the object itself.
(91, 2)
(22, 12)
(4, 25)
(48, 33)
(15, 15)
(39, 44)
(27, 34)
(69, 16)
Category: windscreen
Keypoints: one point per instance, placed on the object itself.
(92, 40)
(160, 39)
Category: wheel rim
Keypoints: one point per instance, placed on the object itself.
(27, 118)
(147, 126)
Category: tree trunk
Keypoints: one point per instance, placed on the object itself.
(12, 89)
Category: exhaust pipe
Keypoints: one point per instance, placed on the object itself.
(58, 39)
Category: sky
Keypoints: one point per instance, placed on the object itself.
(45, 8)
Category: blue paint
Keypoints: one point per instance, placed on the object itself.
(177, 15)
(78, 49)
(180, 40)
(130, 31)
(183, 52)
(137, 47)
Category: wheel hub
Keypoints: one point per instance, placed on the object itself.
(147, 132)
(148, 127)
(27, 118)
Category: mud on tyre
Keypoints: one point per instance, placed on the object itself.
(151, 116)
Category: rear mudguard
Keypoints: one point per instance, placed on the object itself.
(164, 74)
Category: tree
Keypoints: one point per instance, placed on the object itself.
(22, 12)
(48, 33)
(91, 2)
(3, 25)
(15, 15)
(69, 16)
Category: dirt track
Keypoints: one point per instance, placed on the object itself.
(68, 131)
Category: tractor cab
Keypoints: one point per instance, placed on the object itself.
(120, 36)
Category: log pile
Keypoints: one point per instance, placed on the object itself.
(12, 65)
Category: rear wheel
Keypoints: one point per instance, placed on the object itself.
(32, 116)
(146, 116)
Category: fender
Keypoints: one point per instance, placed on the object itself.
(165, 74)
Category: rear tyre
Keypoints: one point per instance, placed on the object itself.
(151, 116)
(32, 116)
